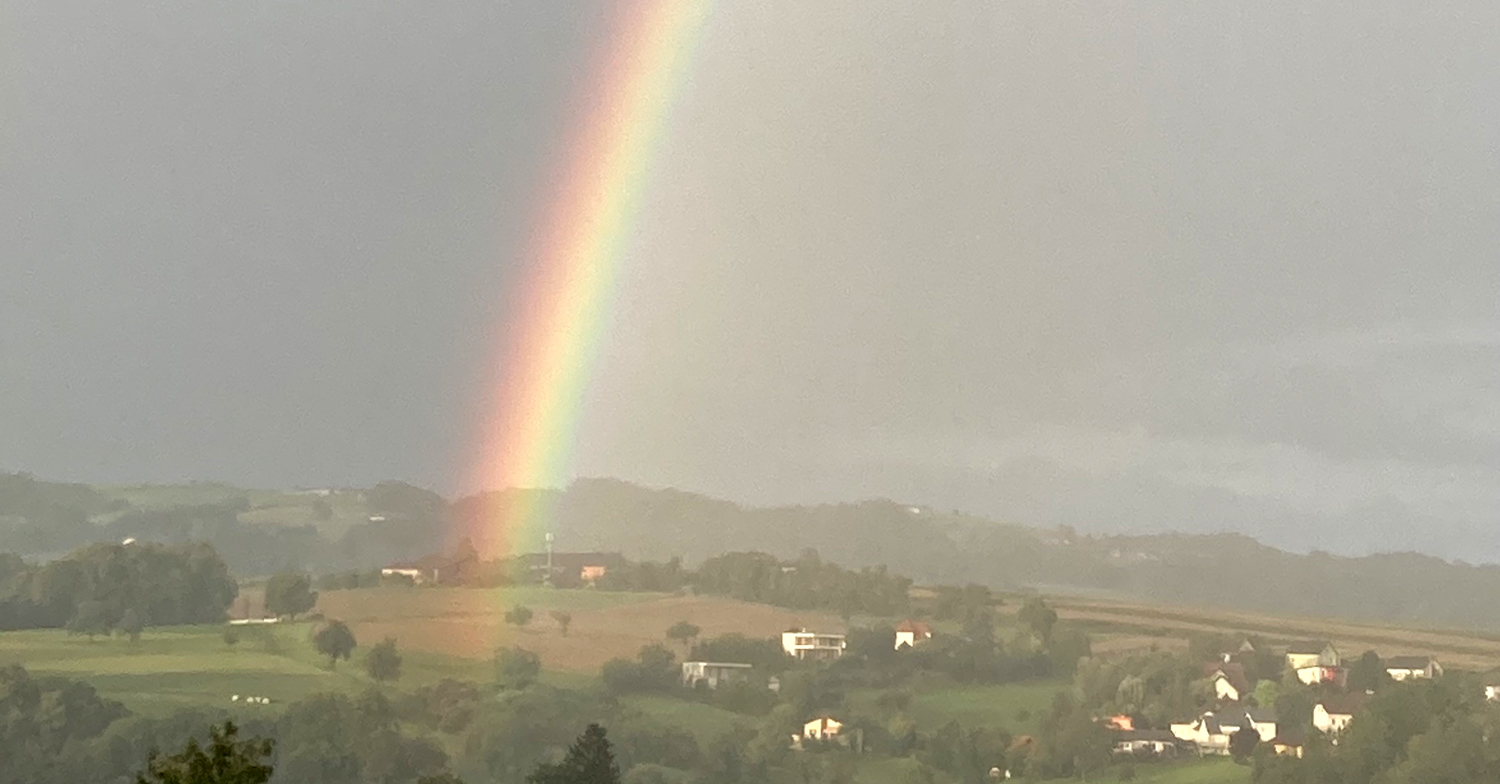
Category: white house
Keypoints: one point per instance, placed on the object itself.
(803, 644)
(412, 573)
(1230, 683)
(1402, 668)
(822, 728)
(1318, 674)
(1211, 731)
(1159, 743)
(910, 633)
(713, 674)
(1333, 714)
(1289, 746)
(1307, 655)
(1492, 693)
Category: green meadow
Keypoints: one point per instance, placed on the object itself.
(172, 669)
(1204, 771)
(1017, 707)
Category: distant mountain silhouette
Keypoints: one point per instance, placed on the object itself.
(260, 531)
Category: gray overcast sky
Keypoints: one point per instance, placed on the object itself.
(1131, 266)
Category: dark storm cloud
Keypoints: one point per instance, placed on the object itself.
(1127, 266)
(264, 242)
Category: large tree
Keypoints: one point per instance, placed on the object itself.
(518, 616)
(383, 662)
(227, 760)
(1242, 744)
(290, 594)
(1368, 673)
(1038, 617)
(130, 624)
(516, 668)
(590, 760)
(684, 633)
(335, 641)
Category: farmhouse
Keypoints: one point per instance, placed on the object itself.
(1332, 714)
(910, 633)
(1157, 743)
(806, 645)
(570, 568)
(430, 570)
(1245, 648)
(1402, 668)
(1211, 731)
(1229, 680)
(1315, 675)
(822, 728)
(1289, 744)
(713, 674)
(1315, 653)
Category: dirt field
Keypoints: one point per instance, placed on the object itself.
(470, 622)
(1123, 626)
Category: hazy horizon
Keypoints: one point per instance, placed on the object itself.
(1130, 269)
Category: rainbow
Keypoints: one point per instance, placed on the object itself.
(559, 308)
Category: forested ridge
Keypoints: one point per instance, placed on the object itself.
(262, 532)
(116, 587)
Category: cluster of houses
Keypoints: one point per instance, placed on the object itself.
(1311, 663)
(804, 645)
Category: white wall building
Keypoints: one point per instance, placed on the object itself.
(713, 674)
(1405, 668)
(803, 644)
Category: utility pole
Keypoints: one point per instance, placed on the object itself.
(548, 581)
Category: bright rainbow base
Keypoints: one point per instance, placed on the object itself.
(556, 319)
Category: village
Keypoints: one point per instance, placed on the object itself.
(1241, 683)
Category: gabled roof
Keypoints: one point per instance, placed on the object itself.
(1261, 715)
(1343, 704)
(1408, 662)
(1308, 647)
(1232, 672)
(915, 627)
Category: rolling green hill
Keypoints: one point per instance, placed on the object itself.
(262, 531)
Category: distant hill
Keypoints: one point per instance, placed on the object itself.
(1214, 570)
(262, 531)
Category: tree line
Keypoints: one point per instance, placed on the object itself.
(112, 587)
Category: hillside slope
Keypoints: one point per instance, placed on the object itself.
(260, 531)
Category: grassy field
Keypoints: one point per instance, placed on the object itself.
(1208, 771)
(441, 632)
(192, 494)
(1119, 626)
(1015, 706)
(175, 668)
(171, 669)
(706, 722)
(469, 623)
(332, 514)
